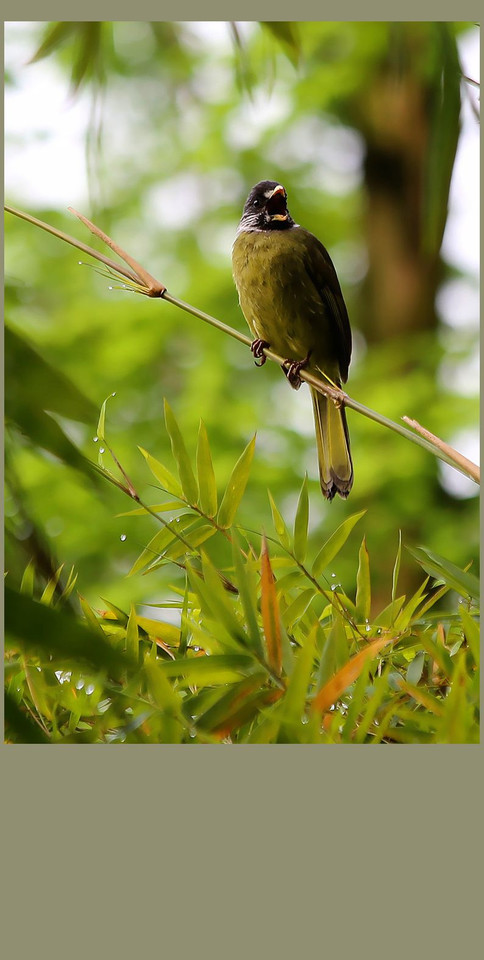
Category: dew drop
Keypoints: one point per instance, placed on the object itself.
(193, 733)
(333, 574)
(90, 689)
(110, 288)
(95, 439)
(196, 649)
(304, 719)
(101, 449)
(113, 394)
(79, 684)
(123, 537)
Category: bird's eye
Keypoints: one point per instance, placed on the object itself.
(256, 203)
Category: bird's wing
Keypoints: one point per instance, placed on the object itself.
(321, 270)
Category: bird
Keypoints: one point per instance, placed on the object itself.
(291, 299)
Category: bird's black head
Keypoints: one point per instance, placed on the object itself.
(266, 208)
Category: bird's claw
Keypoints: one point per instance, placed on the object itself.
(257, 347)
(292, 368)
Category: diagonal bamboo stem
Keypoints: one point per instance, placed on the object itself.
(147, 285)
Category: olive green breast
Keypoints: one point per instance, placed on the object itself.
(277, 275)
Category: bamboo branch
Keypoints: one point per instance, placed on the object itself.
(466, 464)
(142, 282)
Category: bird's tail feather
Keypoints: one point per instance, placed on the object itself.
(335, 464)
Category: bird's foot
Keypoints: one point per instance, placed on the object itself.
(292, 368)
(257, 347)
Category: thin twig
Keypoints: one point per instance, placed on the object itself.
(466, 464)
(148, 286)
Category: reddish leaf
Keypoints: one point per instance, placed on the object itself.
(347, 675)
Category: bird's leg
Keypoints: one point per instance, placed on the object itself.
(257, 347)
(292, 367)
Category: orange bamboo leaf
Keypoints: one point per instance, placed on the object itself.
(154, 287)
(347, 675)
(270, 612)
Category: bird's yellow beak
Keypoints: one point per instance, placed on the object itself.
(278, 191)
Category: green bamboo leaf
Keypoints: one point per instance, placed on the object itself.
(290, 581)
(220, 602)
(156, 508)
(49, 591)
(91, 617)
(161, 690)
(298, 607)
(279, 525)
(236, 486)
(415, 669)
(465, 584)
(120, 615)
(438, 653)
(336, 541)
(458, 720)
(356, 704)
(363, 585)
(132, 635)
(271, 618)
(221, 717)
(396, 568)
(29, 402)
(327, 663)
(432, 600)
(101, 423)
(386, 618)
(206, 476)
(294, 703)
(163, 475)
(183, 645)
(37, 628)
(69, 587)
(286, 32)
(443, 139)
(185, 472)
(224, 639)
(219, 668)
(301, 523)
(340, 640)
(195, 536)
(247, 590)
(19, 726)
(54, 36)
(404, 617)
(28, 579)
(471, 630)
(161, 540)
(379, 691)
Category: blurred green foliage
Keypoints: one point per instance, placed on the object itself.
(268, 648)
(180, 131)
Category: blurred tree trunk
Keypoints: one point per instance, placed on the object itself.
(409, 117)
